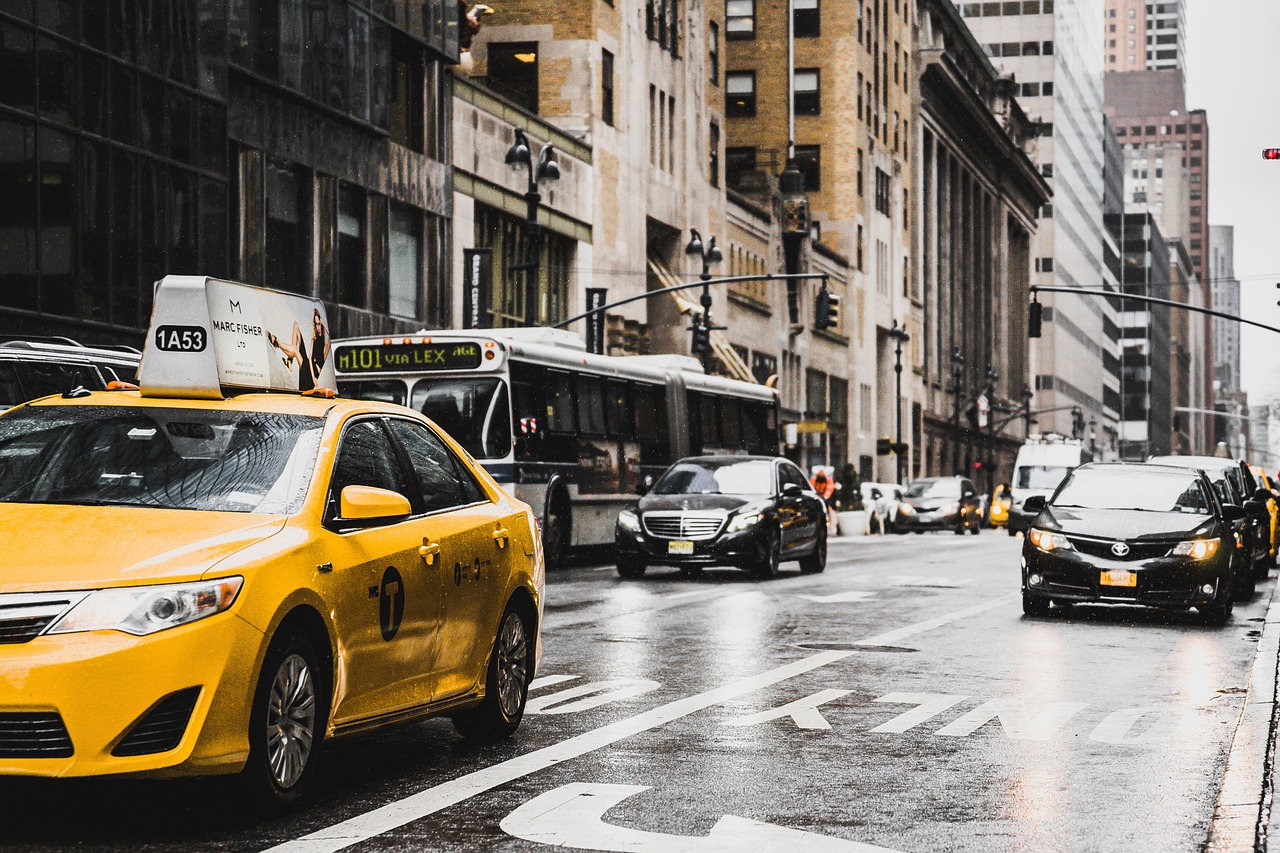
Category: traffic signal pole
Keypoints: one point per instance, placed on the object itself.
(1088, 291)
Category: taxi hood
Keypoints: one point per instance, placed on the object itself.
(59, 547)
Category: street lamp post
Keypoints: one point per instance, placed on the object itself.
(957, 376)
(709, 254)
(992, 378)
(1093, 434)
(544, 168)
(900, 336)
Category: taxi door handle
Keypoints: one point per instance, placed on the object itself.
(501, 536)
(428, 551)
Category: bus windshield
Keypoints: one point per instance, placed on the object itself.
(473, 411)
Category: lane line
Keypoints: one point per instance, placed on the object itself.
(417, 806)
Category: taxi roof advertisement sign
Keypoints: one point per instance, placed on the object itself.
(207, 334)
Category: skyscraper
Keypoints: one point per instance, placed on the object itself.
(1146, 36)
(1225, 288)
(1051, 49)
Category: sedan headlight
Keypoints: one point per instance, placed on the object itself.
(743, 522)
(906, 509)
(628, 520)
(1196, 549)
(950, 509)
(1047, 540)
(144, 610)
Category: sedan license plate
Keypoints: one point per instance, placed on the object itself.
(1119, 577)
(685, 548)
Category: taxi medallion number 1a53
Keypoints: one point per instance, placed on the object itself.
(181, 338)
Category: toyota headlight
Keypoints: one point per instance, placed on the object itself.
(144, 610)
(1047, 540)
(1196, 549)
(629, 521)
(743, 522)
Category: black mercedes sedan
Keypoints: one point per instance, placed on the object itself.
(751, 512)
(1132, 533)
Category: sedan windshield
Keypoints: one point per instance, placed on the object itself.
(1128, 488)
(732, 478)
(157, 457)
(933, 489)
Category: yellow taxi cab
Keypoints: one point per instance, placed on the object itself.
(1000, 500)
(1273, 507)
(207, 576)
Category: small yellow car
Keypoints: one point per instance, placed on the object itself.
(1273, 508)
(218, 586)
(999, 514)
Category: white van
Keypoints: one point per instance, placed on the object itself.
(1044, 461)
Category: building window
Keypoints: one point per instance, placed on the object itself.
(1044, 264)
(809, 162)
(858, 256)
(404, 261)
(861, 159)
(859, 90)
(713, 53)
(606, 87)
(882, 191)
(740, 94)
(404, 106)
(808, 21)
(351, 245)
(740, 19)
(737, 161)
(513, 72)
(715, 154)
(808, 92)
(288, 227)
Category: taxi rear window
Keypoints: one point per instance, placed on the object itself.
(224, 461)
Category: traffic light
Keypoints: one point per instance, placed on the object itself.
(822, 310)
(833, 310)
(1033, 319)
(1077, 423)
(1271, 153)
(701, 340)
(884, 446)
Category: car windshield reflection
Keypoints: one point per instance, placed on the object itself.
(1099, 488)
(709, 478)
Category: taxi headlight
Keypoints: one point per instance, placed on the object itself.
(906, 509)
(628, 520)
(1047, 540)
(1196, 549)
(742, 522)
(146, 609)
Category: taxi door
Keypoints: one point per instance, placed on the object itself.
(386, 599)
(474, 555)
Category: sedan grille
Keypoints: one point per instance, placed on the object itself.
(1135, 550)
(25, 616)
(683, 525)
(40, 735)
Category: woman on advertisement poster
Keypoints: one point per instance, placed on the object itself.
(295, 352)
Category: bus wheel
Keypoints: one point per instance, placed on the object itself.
(556, 531)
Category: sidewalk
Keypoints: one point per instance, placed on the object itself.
(1243, 816)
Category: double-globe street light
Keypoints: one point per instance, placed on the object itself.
(543, 168)
(702, 328)
(900, 337)
(957, 387)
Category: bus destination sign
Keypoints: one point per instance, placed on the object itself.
(388, 358)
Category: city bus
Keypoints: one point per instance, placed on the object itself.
(571, 433)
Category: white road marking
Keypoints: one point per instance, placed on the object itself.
(929, 705)
(1014, 719)
(584, 697)
(803, 712)
(431, 800)
(926, 581)
(550, 681)
(840, 597)
(419, 805)
(1116, 726)
(573, 816)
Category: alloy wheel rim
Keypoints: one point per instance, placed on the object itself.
(291, 720)
(512, 665)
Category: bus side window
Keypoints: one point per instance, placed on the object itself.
(560, 413)
(754, 416)
(385, 391)
(731, 423)
(651, 425)
(617, 411)
(590, 406)
(694, 404)
(710, 423)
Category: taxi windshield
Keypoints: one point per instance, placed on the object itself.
(1123, 488)
(226, 461)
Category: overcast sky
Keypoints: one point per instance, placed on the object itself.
(1233, 72)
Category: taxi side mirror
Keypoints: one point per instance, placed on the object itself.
(370, 504)
(1231, 512)
(1034, 504)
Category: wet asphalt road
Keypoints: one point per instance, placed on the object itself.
(899, 701)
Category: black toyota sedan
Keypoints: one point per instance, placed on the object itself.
(1132, 533)
(752, 512)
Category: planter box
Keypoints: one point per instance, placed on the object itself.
(852, 522)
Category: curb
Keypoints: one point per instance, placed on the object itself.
(1242, 812)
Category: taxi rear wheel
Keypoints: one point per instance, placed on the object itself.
(287, 722)
(506, 685)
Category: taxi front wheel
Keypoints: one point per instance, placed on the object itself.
(507, 683)
(287, 723)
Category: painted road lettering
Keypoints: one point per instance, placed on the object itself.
(1014, 719)
(803, 712)
(928, 706)
(584, 697)
(573, 816)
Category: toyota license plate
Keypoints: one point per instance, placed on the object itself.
(685, 548)
(1119, 577)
